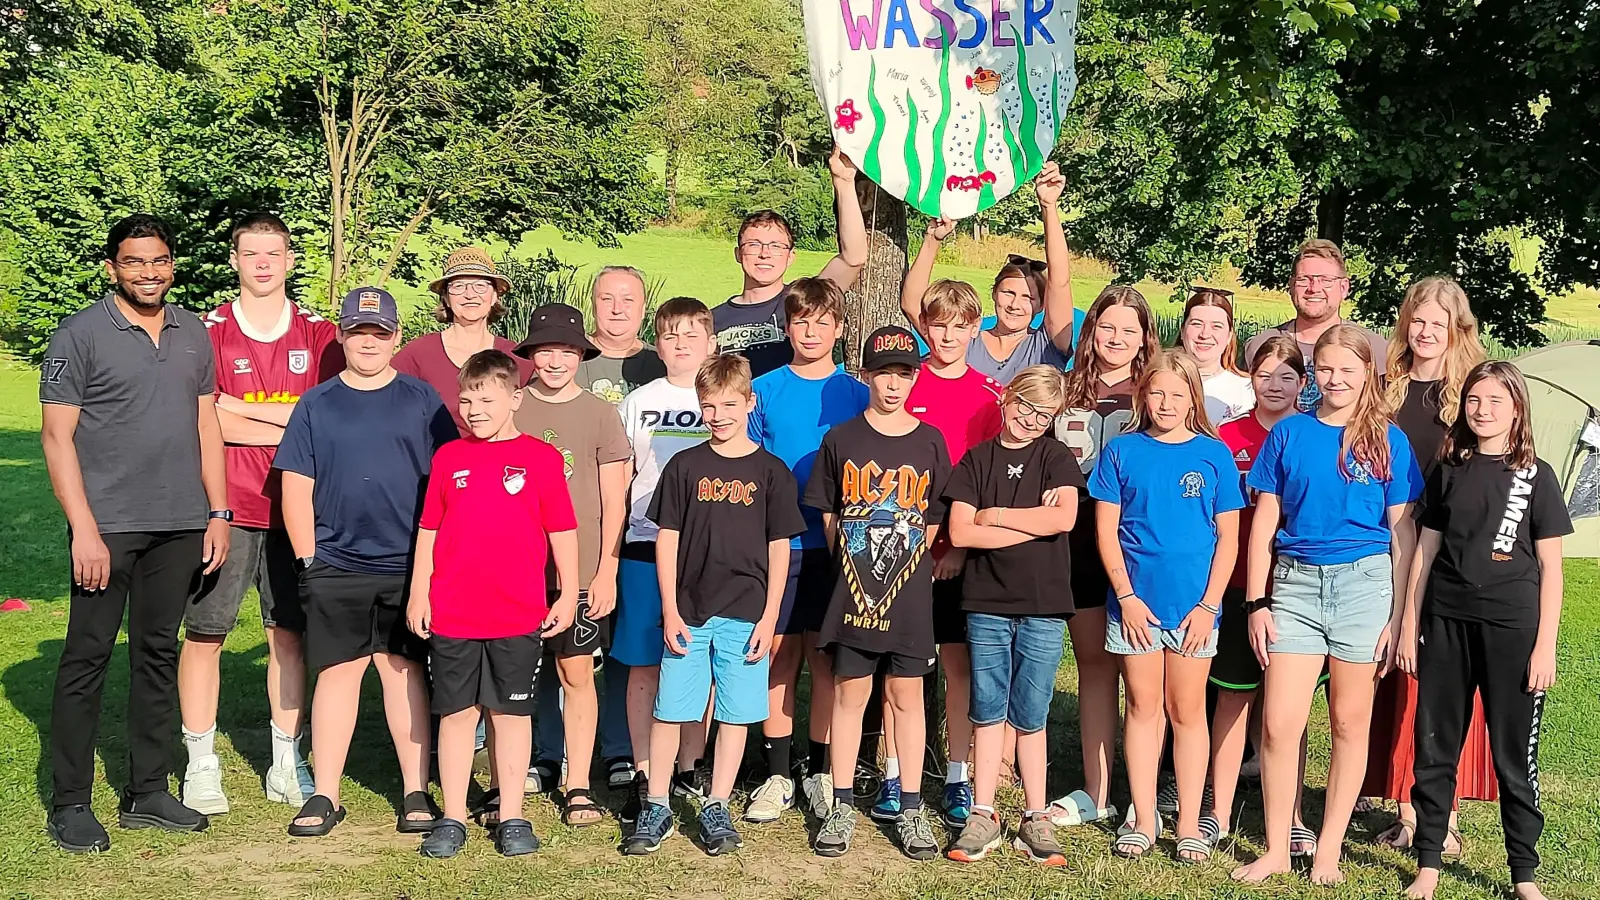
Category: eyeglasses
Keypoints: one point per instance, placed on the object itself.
(1033, 415)
(755, 247)
(1303, 281)
(134, 263)
(460, 286)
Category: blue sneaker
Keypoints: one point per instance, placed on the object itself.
(957, 803)
(717, 833)
(653, 826)
(887, 809)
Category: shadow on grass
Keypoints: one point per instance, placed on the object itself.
(32, 529)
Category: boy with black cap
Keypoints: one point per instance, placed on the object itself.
(497, 495)
(355, 456)
(877, 481)
(595, 450)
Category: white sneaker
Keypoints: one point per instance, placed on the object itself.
(775, 795)
(202, 786)
(819, 793)
(289, 781)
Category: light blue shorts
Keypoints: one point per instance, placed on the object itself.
(716, 653)
(636, 638)
(1336, 610)
(1160, 639)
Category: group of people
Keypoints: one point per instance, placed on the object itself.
(717, 514)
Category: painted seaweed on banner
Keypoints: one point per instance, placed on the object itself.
(949, 104)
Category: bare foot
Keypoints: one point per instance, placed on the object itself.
(1423, 888)
(1527, 890)
(1262, 869)
(1325, 867)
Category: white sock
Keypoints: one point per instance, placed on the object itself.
(891, 768)
(200, 743)
(957, 773)
(284, 747)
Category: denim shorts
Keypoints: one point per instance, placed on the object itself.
(716, 653)
(1160, 639)
(1014, 663)
(1337, 610)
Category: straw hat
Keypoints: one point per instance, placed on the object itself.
(470, 261)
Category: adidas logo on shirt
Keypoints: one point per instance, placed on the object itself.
(1243, 455)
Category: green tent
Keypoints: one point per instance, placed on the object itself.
(1564, 391)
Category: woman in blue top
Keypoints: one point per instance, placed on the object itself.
(1167, 520)
(1343, 481)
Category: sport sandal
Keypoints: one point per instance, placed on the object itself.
(580, 810)
(417, 802)
(318, 807)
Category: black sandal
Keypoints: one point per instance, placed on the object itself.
(320, 808)
(488, 810)
(417, 802)
(587, 807)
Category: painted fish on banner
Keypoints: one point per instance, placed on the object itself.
(949, 104)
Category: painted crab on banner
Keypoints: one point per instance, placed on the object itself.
(949, 104)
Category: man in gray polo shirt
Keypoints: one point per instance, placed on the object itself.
(135, 455)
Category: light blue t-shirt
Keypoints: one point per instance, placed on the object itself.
(1329, 518)
(1170, 496)
(792, 415)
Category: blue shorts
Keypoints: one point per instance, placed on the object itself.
(1014, 663)
(1336, 610)
(636, 636)
(807, 591)
(1160, 639)
(716, 653)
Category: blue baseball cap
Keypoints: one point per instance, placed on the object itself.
(369, 306)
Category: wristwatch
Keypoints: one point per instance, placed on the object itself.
(225, 515)
(1251, 606)
(303, 563)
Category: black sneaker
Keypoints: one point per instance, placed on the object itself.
(694, 783)
(158, 809)
(638, 796)
(75, 830)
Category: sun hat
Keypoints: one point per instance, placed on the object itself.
(473, 262)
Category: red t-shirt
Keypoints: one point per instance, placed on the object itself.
(1244, 437)
(966, 410)
(300, 352)
(493, 504)
(425, 358)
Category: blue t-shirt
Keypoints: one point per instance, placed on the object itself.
(1327, 517)
(1170, 496)
(792, 415)
(369, 453)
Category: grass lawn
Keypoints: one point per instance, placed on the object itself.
(247, 854)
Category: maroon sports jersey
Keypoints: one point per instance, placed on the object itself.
(301, 351)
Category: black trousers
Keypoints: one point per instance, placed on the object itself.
(1455, 659)
(152, 576)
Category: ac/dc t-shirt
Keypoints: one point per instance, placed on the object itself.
(1171, 495)
(1419, 418)
(660, 419)
(1030, 578)
(1086, 432)
(1331, 516)
(886, 493)
(1489, 519)
(726, 511)
(494, 505)
(299, 352)
(791, 417)
(612, 378)
(1244, 437)
(754, 330)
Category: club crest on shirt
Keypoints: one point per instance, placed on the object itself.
(1359, 472)
(1193, 483)
(514, 479)
(882, 530)
(299, 361)
(1013, 471)
(241, 366)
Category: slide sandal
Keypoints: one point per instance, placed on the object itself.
(1200, 847)
(417, 802)
(1306, 839)
(321, 808)
(1132, 845)
(1077, 808)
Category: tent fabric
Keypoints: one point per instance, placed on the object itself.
(1564, 394)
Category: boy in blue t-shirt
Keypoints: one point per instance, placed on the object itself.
(355, 458)
(795, 406)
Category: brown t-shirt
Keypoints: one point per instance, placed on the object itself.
(425, 358)
(1311, 395)
(588, 432)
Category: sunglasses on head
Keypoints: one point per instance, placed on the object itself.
(1207, 289)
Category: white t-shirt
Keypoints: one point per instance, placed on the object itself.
(1228, 396)
(660, 419)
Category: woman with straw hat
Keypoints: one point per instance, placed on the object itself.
(469, 294)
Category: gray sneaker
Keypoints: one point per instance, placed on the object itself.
(837, 829)
(818, 791)
(1036, 839)
(980, 835)
(916, 834)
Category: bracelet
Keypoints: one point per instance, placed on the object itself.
(999, 516)
(1122, 597)
(1214, 610)
(1251, 606)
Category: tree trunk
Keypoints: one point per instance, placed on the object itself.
(673, 153)
(874, 300)
(1330, 214)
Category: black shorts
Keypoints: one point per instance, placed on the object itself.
(849, 662)
(949, 619)
(807, 592)
(499, 674)
(350, 615)
(1235, 667)
(584, 637)
(1090, 584)
(256, 556)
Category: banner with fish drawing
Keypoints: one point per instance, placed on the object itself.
(948, 104)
